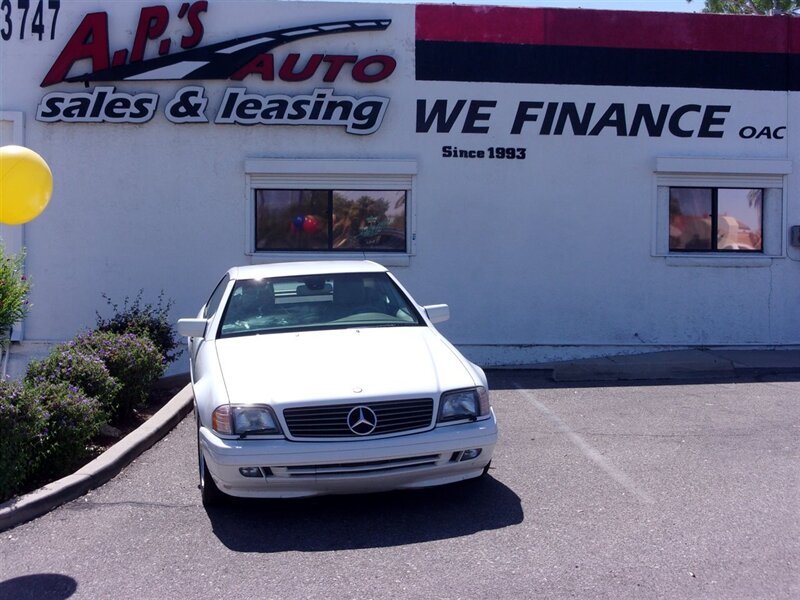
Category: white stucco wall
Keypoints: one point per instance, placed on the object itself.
(544, 258)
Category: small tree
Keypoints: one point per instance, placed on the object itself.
(752, 7)
(14, 288)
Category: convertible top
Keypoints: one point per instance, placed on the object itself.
(319, 267)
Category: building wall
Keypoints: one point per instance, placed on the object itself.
(557, 255)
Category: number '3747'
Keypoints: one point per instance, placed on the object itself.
(20, 19)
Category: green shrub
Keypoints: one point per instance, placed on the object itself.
(72, 420)
(14, 288)
(22, 431)
(81, 367)
(134, 361)
(144, 320)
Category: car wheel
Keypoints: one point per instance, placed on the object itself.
(209, 492)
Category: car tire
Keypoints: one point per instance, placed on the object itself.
(210, 494)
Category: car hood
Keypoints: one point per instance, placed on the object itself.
(349, 365)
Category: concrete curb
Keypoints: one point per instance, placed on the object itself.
(677, 365)
(103, 468)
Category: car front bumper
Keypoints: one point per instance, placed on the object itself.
(286, 469)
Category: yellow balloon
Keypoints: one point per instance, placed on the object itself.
(26, 185)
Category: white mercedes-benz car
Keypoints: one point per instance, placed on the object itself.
(326, 377)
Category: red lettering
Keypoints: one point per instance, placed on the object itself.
(190, 41)
(153, 21)
(264, 64)
(90, 40)
(287, 72)
(386, 65)
(337, 61)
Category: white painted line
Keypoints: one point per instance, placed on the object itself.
(589, 451)
(300, 32)
(243, 45)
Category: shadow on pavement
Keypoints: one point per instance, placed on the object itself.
(42, 586)
(533, 379)
(366, 521)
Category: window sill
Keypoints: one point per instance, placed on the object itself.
(387, 259)
(716, 260)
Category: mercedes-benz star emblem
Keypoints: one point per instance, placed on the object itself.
(362, 420)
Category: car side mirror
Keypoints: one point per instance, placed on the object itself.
(437, 312)
(192, 327)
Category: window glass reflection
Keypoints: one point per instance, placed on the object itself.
(690, 218)
(739, 219)
(715, 219)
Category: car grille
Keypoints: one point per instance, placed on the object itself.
(394, 416)
(354, 468)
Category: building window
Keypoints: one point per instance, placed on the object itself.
(331, 209)
(715, 219)
(727, 212)
(330, 220)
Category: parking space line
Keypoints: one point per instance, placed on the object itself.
(588, 450)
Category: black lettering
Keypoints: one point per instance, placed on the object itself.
(99, 100)
(53, 106)
(299, 110)
(675, 120)
(248, 109)
(78, 108)
(747, 132)
(578, 123)
(775, 133)
(549, 117)
(141, 108)
(710, 120)
(765, 132)
(654, 126)
(523, 115)
(438, 114)
(117, 108)
(231, 97)
(474, 114)
(447, 151)
(613, 117)
(276, 109)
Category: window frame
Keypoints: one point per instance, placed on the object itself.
(714, 215)
(698, 172)
(331, 174)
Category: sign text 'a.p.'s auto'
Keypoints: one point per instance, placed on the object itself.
(230, 60)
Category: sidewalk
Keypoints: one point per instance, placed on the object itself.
(678, 364)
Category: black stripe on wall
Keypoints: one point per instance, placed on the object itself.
(516, 63)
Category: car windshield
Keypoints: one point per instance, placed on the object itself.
(316, 302)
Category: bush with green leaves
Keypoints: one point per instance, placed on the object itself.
(133, 360)
(81, 367)
(22, 433)
(72, 420)
(14, 288)
(151, 321)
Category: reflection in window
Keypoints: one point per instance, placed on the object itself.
(346, 220)
(715, 219)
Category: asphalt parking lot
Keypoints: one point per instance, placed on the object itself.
(678, 490)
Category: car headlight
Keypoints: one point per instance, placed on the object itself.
(244, 420)
(464, 404)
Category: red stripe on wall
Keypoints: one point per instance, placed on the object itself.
(608, 29)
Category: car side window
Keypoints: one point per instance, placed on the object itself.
(216, 297)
